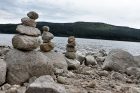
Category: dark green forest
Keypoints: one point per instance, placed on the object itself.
(92, 30)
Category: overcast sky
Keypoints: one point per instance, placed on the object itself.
(116, 12)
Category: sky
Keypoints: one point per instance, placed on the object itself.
(116, 12)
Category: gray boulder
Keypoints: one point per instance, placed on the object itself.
(57, 59)
(28, 22)
(27, 30)
(118, 60)
(137, 60)
(24, 42)
(45, 84)
(72, 64)
(24, 65)
(90, 60)
(3, 69)
(47, 36)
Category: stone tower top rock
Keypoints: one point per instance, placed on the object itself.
(45, 28)
(33, 15)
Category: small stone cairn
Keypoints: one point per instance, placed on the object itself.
(47, 37)
(27, 39)
(70, 48)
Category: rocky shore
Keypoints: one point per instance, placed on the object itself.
(26, 68)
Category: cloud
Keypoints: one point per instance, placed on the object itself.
(117, 12)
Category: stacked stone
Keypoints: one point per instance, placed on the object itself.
(27, 39)
(70, 48)
(47, 37)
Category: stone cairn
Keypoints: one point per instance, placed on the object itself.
(47, 37)
(70, 48)
(27, 39)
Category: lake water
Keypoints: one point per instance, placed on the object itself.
(85, 45)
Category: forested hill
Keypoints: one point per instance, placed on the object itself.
(84, 30)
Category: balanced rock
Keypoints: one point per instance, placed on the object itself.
(46, 47)
(28, 22)
(70, 55)
(45, 28)
(24, 42)
(27, 30)
(47, 36)
(71, 39)
(3, 69)
(45, 84)
(70, 48)
(33, 15)
(118, 60)
(24, 65)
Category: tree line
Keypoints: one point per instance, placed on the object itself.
(83, 30)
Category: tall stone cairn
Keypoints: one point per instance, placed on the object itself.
(47, 37)
(70, 48)
(28, 37)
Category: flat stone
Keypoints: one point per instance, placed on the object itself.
(23, 42)
(28, 22)
(27, 30)
(46, 47)
(33, 15)
(70, 49)
(47, 36)
(70, 55)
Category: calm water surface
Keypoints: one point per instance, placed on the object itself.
(85, 45)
